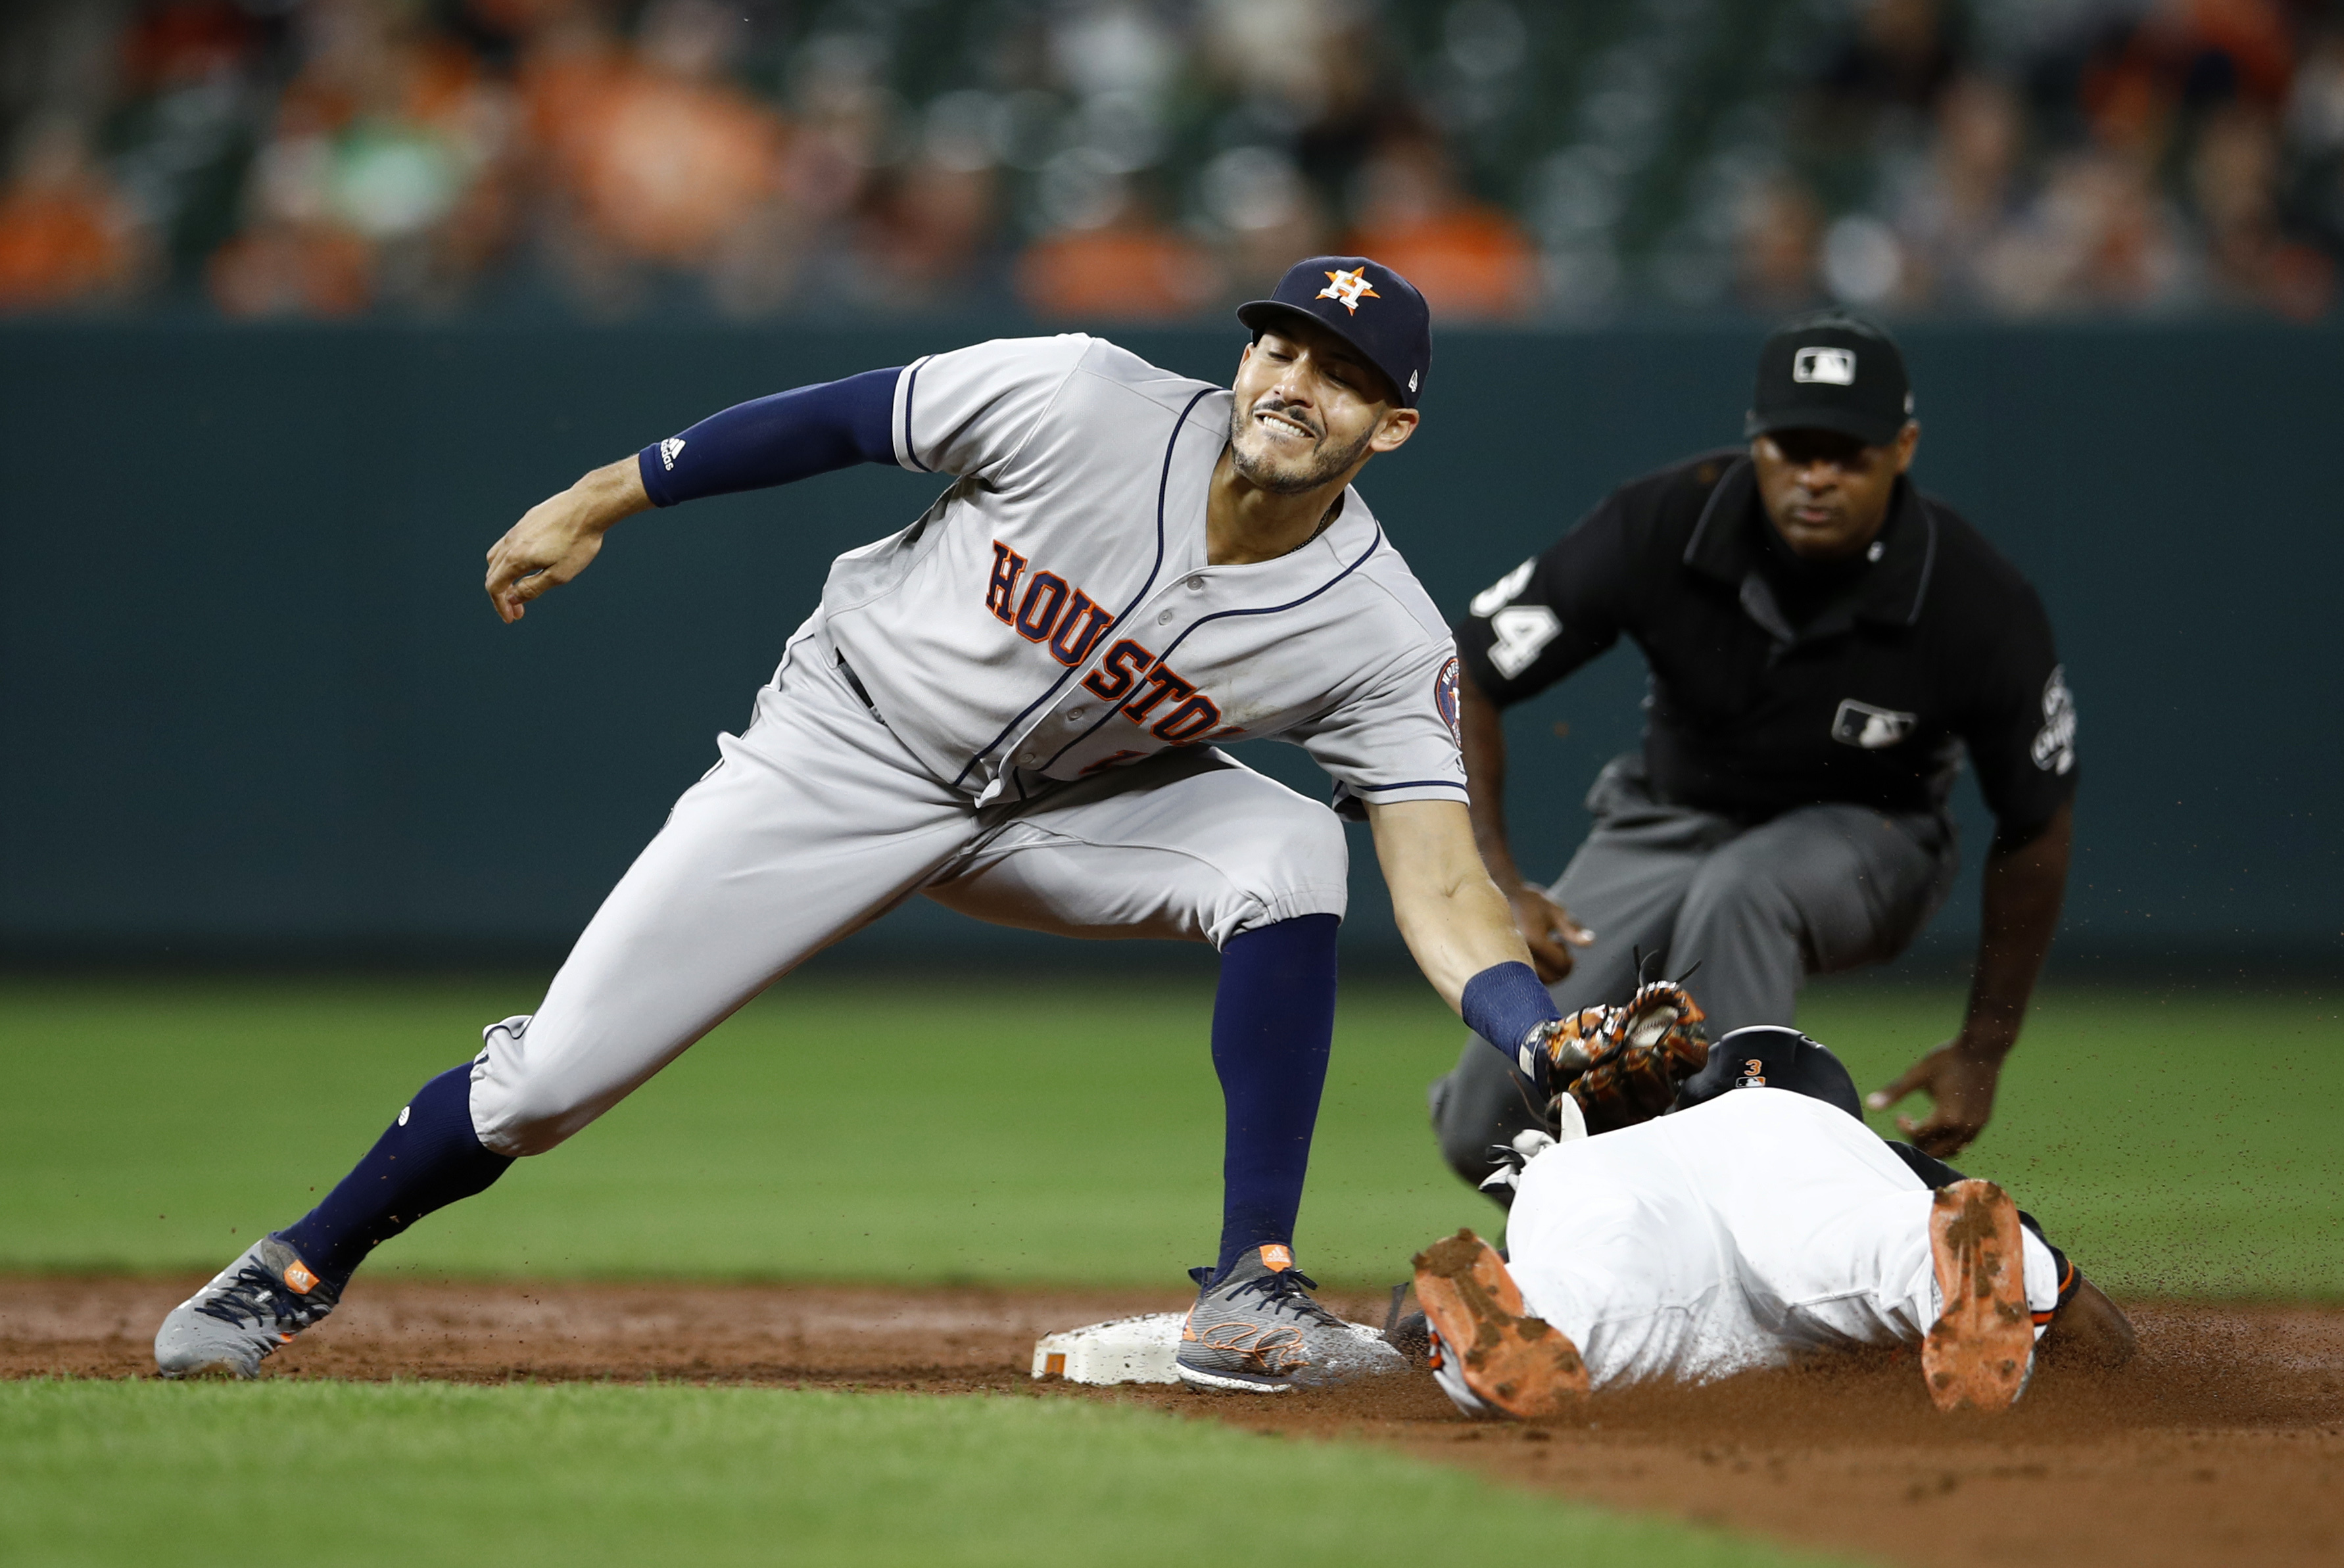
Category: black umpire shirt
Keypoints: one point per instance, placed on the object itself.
(1778, 682)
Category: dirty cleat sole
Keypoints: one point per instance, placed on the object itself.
(1509, 1361)
(1980, 1353)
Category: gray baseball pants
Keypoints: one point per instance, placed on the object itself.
(818, 820)
(1758, 909)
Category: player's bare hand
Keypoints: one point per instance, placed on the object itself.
(1961, 1081)
(1549, 931)
(557, 538)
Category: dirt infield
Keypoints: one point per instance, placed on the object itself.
(2223, 1444)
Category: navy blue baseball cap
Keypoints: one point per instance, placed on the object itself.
(1364, 303)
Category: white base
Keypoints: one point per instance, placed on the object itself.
(1127, 1351)
(1142, 1350)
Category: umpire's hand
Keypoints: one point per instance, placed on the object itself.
(1548, 930)
(1960, 1080)
(556, 539)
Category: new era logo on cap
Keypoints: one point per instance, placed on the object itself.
(1835, 367)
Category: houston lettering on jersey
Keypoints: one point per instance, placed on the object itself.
(1072, 623)
(1070, 626)
(1130, 670)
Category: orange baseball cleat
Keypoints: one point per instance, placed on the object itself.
(1490, 1356)
(1982, 1350)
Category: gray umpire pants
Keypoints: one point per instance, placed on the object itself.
(1757, 909)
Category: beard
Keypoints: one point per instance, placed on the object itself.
(1251, 453)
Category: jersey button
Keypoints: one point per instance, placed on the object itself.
(1030, 758)
(1163, 618)
(1073, 715)
(1195, 585)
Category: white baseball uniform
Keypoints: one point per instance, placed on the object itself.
(1749, 1232)
(1009, 706)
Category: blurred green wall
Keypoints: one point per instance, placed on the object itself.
(253, 704)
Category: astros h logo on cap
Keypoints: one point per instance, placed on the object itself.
(1347, 288)
(1395, 337)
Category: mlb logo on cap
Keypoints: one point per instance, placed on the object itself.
(1830, 371)
(1835, 366)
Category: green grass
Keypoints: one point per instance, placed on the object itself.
(2175, 1142)
(1059, 1131)
(95, 1474)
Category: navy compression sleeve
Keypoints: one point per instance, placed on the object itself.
(1505, 1002)
(789, 436)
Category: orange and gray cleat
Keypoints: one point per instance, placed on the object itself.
(1982, 1350)
(251, 1309)
(1258, 1330)
(1490, 1356)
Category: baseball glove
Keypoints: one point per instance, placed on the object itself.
(1623, 1064)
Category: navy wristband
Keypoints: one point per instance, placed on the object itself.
(1505, 1002)
(772, 441)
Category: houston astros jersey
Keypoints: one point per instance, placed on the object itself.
(1053, 613)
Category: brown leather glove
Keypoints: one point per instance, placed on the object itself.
(1623, 1064)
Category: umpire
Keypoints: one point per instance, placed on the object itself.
(1825, 643)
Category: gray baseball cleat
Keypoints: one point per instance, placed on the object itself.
(252, 1309)
(1258, 1330)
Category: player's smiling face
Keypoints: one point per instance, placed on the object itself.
(1826, 493)
(1309, 411)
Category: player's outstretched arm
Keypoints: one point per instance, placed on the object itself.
(1546, 926)
(1456, 922)
(755, 445)
(556, 539)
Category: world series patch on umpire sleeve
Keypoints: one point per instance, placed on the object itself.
(2054, 750)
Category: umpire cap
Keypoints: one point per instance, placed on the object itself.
(1830, 371)
(1364, 303)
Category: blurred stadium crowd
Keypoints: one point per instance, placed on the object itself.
(1158, 159)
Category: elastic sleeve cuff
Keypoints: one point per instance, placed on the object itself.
(649, 466)
(1505, 1002)
(899, 417)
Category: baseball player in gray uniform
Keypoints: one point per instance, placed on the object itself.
(1010, 707)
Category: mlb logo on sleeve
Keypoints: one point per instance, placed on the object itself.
(1834, 367)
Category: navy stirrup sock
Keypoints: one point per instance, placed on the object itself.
(426, 1159)
(1273, 1028)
